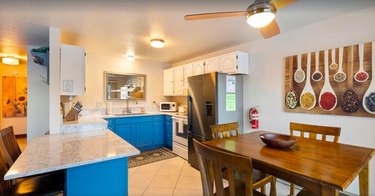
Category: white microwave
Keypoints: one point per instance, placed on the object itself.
(168, 106)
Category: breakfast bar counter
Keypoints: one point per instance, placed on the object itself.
(95, 162)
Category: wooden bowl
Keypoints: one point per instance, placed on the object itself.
(277, 140)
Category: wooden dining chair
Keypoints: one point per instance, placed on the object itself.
(211, 161)
(5, 185)
(46, 185)
(8, 143)
(225, 130)
(314, 132)
(260, 179)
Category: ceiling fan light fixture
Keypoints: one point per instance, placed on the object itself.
(157, 43)
(260, 17)
(10, 61)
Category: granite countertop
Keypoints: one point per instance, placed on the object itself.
(61, 151)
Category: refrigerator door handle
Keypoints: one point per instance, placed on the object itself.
(189, 98)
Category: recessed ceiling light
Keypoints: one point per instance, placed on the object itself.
(157, 43)
(10, 61)
(130, 57)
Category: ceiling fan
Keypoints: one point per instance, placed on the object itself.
(260, 14)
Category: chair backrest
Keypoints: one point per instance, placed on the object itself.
(225, 130)
(9, 145)
(314, 130)
(4, 184)
(211, 162)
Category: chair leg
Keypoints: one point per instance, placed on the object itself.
(291, 189)
(273, 186)
(263, 189)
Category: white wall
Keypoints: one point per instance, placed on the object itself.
(264, 86)
(97, 64)
(38, 98)
(18, 123)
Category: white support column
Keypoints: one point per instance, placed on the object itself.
(54, 84)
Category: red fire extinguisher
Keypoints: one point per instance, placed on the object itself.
(254, 118)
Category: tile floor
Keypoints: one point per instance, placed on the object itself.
(174, 177)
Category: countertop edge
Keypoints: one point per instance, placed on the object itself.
(67, 166)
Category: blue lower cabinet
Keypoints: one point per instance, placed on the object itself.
(111, 124)
(128, 133)
(159, 133)
(144, 132)
(168, 135)
(102, 178)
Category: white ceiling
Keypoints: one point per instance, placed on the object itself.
(115, 27)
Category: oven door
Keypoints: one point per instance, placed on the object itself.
(180, 150)
(180, 131)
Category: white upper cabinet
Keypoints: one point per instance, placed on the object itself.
(72, 70)
(188, 71)
(168, 82)
(178, 80)
(235, 63)
(212, 65)
(198, 67)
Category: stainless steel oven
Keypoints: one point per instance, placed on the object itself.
(180, 141)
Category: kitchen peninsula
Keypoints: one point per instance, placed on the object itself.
(96, 162)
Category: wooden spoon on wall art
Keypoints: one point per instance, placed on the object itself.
(340, 76)
(361, 75)
(333, 64)
(317, 75)
(291, 99)
(350, 101)
(327, 97)
(299, 75)
(308, 98)
(369, 97)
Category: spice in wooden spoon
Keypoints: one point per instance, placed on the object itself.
(350, 101)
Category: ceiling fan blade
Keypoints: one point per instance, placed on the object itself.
(214, 15)
(282, 3)
(270, 30)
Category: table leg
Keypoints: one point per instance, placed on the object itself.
(329, 191)
(363, 182)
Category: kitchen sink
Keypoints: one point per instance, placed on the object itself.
(129, 114)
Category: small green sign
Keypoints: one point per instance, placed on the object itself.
(230, 102)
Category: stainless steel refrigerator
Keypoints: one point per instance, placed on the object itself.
(214, 98)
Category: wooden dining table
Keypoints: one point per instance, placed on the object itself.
(321, 167)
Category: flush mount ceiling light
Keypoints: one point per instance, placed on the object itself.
(10, 61)
(157, 43)
(261, 14)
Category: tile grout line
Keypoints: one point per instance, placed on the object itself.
(153, 178)
(179, 176)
